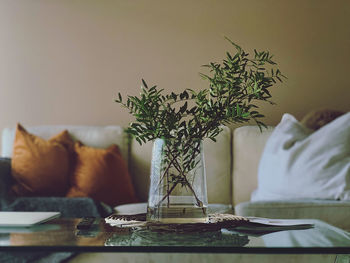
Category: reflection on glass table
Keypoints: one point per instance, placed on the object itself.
(322, 235)
(319, 236)
(144, 237)
(62, 235)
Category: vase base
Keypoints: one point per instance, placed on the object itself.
(177, 214)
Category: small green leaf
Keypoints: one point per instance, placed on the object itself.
(234, 44)
(144, 84)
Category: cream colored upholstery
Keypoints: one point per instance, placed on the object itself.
(217, 157)
(93, 136)
(226, 185)
(248, 145)
(139, 208)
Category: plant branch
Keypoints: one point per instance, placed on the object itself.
(233, 87)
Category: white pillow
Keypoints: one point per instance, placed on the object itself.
(298, 163)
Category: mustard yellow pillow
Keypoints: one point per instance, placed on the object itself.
(101, 174)
(40, 167)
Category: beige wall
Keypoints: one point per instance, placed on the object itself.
(63, 61)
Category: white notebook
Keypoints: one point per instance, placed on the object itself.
(25, 219)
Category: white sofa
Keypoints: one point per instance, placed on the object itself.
(231, 169)
(232, 180)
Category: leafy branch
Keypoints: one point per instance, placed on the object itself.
(184, 119)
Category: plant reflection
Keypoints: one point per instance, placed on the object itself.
(145, 237)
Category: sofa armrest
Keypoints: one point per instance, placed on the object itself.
(69, 207)
(6, 179)
(248, 146)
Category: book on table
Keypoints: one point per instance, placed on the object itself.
(25, 219)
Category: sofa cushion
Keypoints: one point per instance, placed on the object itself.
(300, 163)
(139, 208)
(40, 167)
(217, 157)
(131, 209)
(101, 174)
(248, 145)
(336, 213)
(93, 136)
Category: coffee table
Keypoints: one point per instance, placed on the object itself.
(62, 235)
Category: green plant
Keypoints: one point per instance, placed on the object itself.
(186, 118)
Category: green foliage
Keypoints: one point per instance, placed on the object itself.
(185, 119)
(233, 87)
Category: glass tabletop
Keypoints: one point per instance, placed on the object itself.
(62, 235)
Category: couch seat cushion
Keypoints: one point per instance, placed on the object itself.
(139, 208)
(217, 157)
(336, 213)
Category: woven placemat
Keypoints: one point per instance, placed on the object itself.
(215, 223)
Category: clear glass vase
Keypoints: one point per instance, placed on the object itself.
(178, 190)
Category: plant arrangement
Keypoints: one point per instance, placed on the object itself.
(183, 120)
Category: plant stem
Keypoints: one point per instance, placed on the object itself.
(167, 186)
(170, 163)
(168, 194)
(178, 168)
(165, 172)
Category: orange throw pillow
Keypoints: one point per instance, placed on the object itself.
(40, 167)
(101, 174)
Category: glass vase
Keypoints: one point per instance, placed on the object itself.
(178, 191)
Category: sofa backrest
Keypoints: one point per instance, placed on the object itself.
(217, 155)
(231, 164)
(93, 136)
(248, 145)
